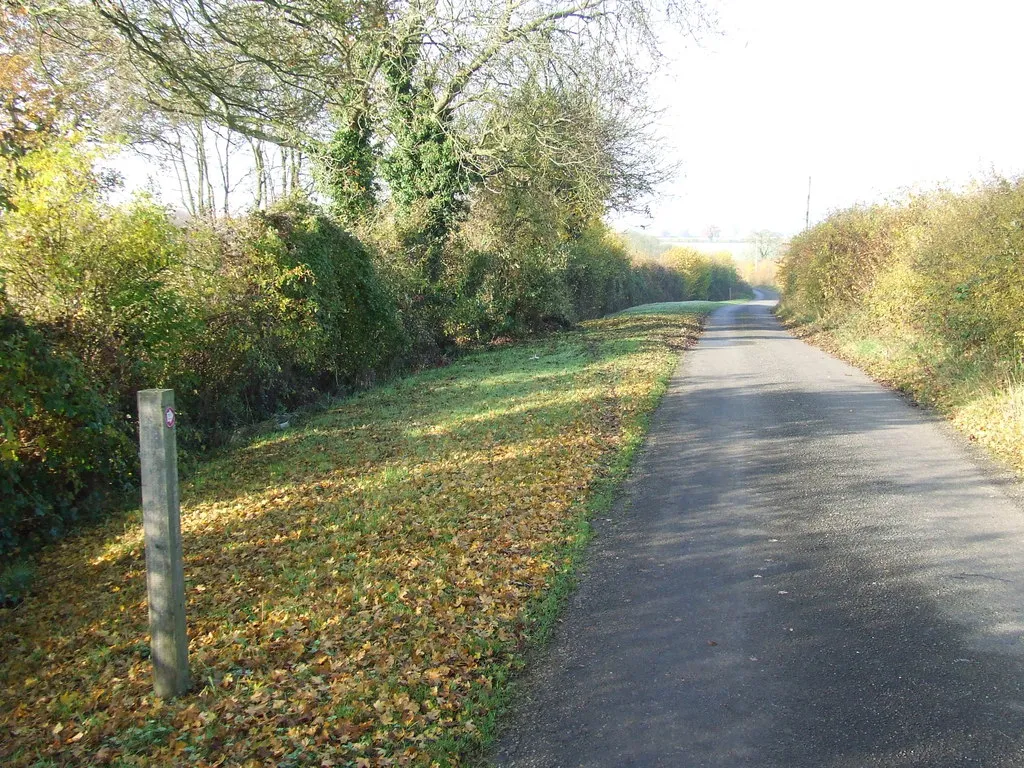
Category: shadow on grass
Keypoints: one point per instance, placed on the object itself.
(314, 541)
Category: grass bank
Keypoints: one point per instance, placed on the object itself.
(361, 585)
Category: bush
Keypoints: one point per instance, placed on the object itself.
(707, 277)
(832, 265)
(15, 582)
(252, 316)
(600, 275)
(955, 260)
(62, 451)
(531, 286)
(970, 259)
(928, 295)
(241, 319)
(348, 323)
(524, 291)
(98, 277)
(294, 309)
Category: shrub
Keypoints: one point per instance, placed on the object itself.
(347, 322)
(295, 309)
(61, 449)
(97, 276)
(707, 277)
(928, 295)
(250, 316)
(241, 319)
(16, 579)
(955, 260)
(970, 258)
(832, 265)
(599, 275)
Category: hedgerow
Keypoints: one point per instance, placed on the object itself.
(927, 294)
(242, 317)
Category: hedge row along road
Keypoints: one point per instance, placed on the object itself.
(806, 571)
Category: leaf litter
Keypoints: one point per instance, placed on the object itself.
(359, 587)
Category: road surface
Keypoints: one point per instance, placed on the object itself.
(806, 571)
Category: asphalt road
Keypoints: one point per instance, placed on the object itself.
(806, 571)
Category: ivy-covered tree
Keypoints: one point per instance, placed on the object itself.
(393, 96)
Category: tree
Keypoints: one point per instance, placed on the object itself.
(402, 87)
(412, 110)
(74, 64)
(766, 245)
(33, 109)
(462, 113)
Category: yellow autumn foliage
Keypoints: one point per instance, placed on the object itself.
(928, 295)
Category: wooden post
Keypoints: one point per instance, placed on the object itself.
(161, 519)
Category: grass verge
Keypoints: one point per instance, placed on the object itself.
(361, 586)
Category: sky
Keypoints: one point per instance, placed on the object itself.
(868, 99)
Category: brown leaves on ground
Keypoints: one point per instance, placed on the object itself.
(357, 587)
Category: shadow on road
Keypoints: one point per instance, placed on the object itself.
(804, 576)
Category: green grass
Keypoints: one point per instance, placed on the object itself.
(361, 587)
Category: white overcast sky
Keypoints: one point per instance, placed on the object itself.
(866, 97)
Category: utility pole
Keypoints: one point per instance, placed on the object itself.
(807, 217)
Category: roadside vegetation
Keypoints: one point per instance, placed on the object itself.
(375, 189)
(708, 276)
(927, 295)
(361, 585)
(757, 263)
(380, 223)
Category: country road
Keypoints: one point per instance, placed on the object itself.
(806, 571)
